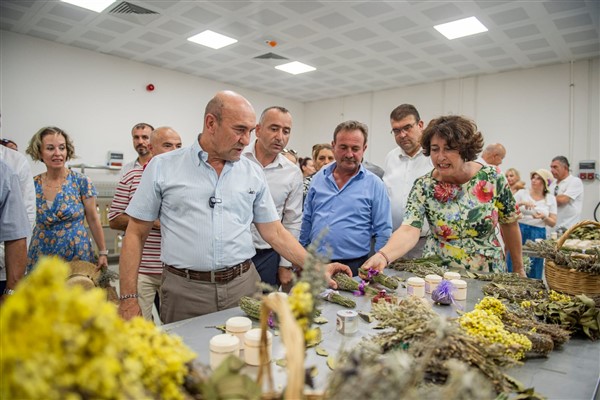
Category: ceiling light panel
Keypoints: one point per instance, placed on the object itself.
(93, 5)
(295, 68)
(212, 39)
(461, 28)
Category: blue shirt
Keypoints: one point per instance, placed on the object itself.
(353, 214)
(177, 186)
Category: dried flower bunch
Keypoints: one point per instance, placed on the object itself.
(588, 262)
(420, 266)
(61, 341)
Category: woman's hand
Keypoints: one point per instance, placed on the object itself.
(102, 262)
(377, 261)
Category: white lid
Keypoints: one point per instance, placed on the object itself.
(224, 343)
(278, 294)
(451, 275)
(238, 324)
(415, 281)
(252, 337)
(433, 278)
(458, 283)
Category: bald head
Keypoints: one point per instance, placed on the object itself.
(163, 140)
(493, 154)
(229, 120)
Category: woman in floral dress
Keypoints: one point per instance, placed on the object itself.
(63, 199)
(463, 202)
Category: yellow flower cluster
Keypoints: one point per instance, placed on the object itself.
(489, 328)
(558, 297)
(302, 306)
(62, 342)
(526, 304)
(492, 305)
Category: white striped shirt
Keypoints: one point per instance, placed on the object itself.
(126, 188)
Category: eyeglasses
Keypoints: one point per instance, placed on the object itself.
(291, 151)
(404, 129)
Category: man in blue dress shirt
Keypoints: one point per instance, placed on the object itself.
(347, 203)
(206, 196)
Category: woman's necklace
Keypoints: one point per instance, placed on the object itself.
(48, 184)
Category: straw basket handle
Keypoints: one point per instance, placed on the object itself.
(566, 235)
(293, 339)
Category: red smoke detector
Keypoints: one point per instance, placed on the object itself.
(150, 87)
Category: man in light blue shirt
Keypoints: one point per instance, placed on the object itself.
(347, 202)
(206, 196)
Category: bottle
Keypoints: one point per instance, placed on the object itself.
(460, 289)
(449, 275)
(431, 282)
(238, 326)
(221, 347)
(252, 346)
(415, 286)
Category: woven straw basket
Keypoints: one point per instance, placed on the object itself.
(293, 339)
(565, 280)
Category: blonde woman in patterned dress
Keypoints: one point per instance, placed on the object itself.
(63, 199)
(463, 202)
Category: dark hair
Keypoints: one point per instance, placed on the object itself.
(302, 161)
(142, 125)
(278, 108)
(6, 142)
(34, 149)
(404, 110)
(351, 126)
(563, 160)
(459, 132)
(316, 149)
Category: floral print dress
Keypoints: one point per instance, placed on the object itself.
(59, 228)
(464, 218)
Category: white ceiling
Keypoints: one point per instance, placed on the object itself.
(356, 46)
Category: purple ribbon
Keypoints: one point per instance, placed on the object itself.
(270, 320)
(361, 289)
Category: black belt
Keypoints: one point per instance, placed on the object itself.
(263, 251)
(220, 276)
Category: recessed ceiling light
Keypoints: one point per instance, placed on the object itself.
(212, 39)
(295, 68)
(94, 5)
(462, 27)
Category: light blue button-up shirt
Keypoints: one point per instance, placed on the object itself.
(177, 186)
(353, 214)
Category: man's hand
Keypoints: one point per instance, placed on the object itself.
(377, 261)
(285, 275)
(129, 308)
(334, 268)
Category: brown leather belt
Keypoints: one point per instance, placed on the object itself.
(220, 276)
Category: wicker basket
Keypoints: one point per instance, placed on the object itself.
(293, 339)
(566, 280)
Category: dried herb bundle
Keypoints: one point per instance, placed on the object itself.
(348, 284)
(588, 262)
(578, 315)
(508, 279)
(389, 282)
(421, 331)
(333, 296)
(420, 266)
(377, 376)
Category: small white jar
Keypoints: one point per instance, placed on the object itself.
(221, 347)
(431, 282)
(252, 346)
(238, 326)
(449, 275)
(460, 289)
(415, 286)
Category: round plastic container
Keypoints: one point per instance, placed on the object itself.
(460, 289)
(346, 322)
(221, 347)
(252, 346)
(415, 286)
(238, 326)
(449, 275)
(431, 282)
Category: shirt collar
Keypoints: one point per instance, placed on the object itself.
(328, 170)
(403, 153)
(250, 151)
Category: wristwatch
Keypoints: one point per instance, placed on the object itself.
(8, 291)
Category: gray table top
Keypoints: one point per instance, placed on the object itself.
(571, 372)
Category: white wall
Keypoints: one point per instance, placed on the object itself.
(535, 113)
(97, 98)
